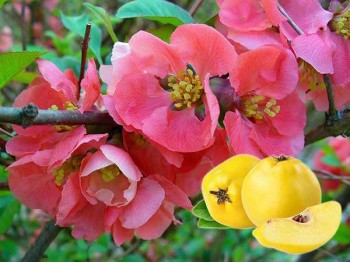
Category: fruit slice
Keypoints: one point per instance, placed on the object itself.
(279, 187)
(221, 189)
(301, 233)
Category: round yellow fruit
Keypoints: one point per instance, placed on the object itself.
(221, 189)
(279, 187)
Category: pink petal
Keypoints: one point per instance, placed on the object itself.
(291, 119)
(274, 78)
(244, 15)
(33, 186)
(147, 201)
(57, 79)
(307, 14)
(112, 214)
(121, 234)
(88, 220)
(63, 148)
(173, 194)
(255, 39)
(91, 84)
(157, 224)
(96, 161)
(123, 160)
(273, 14)
(155, 56)
(341, 60)
(316, 50)
(181, 130)
(205, 49)
(238, 131)
(138, 97)
(110, 105)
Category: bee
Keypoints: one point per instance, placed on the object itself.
(221, 195)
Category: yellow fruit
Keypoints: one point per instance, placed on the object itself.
(302, 233)
(221, 189)
(279, 187)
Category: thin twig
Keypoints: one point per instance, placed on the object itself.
(290, 20)
(6, 133)
(332, 112)
(4, 186)
(43, 241)
(195, 7)
(325, 175)
(31, 115)
(23, 26)
(84, 49)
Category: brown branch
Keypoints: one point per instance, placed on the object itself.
(23, 25)
(339, 127)
(31, 115)
(84, 49)
(4, 186)
(325, 175)
(43, 241)
(195, 7)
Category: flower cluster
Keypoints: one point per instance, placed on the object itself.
(180, 108)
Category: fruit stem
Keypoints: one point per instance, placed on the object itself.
(221, 195)
(281, 158)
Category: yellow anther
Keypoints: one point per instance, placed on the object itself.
(310, 77)
(109, 173)
(187, 89)
(67, 106)
(257, 106)
(70, 166)
(340, 24)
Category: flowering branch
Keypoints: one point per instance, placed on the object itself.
(47, 235)
(31, 115)
(325, 130)
(84, 48)
(325, 175)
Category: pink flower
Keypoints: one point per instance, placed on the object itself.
(149, 214)
(6, 39)
(341, 148)
(37, 178)
(323, 45)
(250, 23)
(107, 178)
(165, 93)
(266, 115)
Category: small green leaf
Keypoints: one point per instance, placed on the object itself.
(25, 77)
(7, 216)
(331, 160)
(202, 223)
(163, 32)
(2, 2)
(157, 10)
(101, 14)
(12, 63)
(201, 211)
(77, 24)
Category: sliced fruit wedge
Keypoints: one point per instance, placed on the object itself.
(301, 233)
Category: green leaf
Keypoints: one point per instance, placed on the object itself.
(342, 235)
(163, 32)
(2, 2)
(77, 24)
(201, 211)
(12, 63)
(25, 77)
(331, 160)
(157, 10)
(101, 14)
(202, 223)
(7, 216)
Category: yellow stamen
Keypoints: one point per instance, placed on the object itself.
(70, 166)
(109, 173)
(67, 106)
(187, 89)
(340, 24)
(257, 107)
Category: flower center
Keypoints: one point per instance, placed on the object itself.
(139, 139)
(310, 77)
(340, 24)
(109, 173)
(257, 106)
(70, 166)
(67, 106)
(187, 89)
